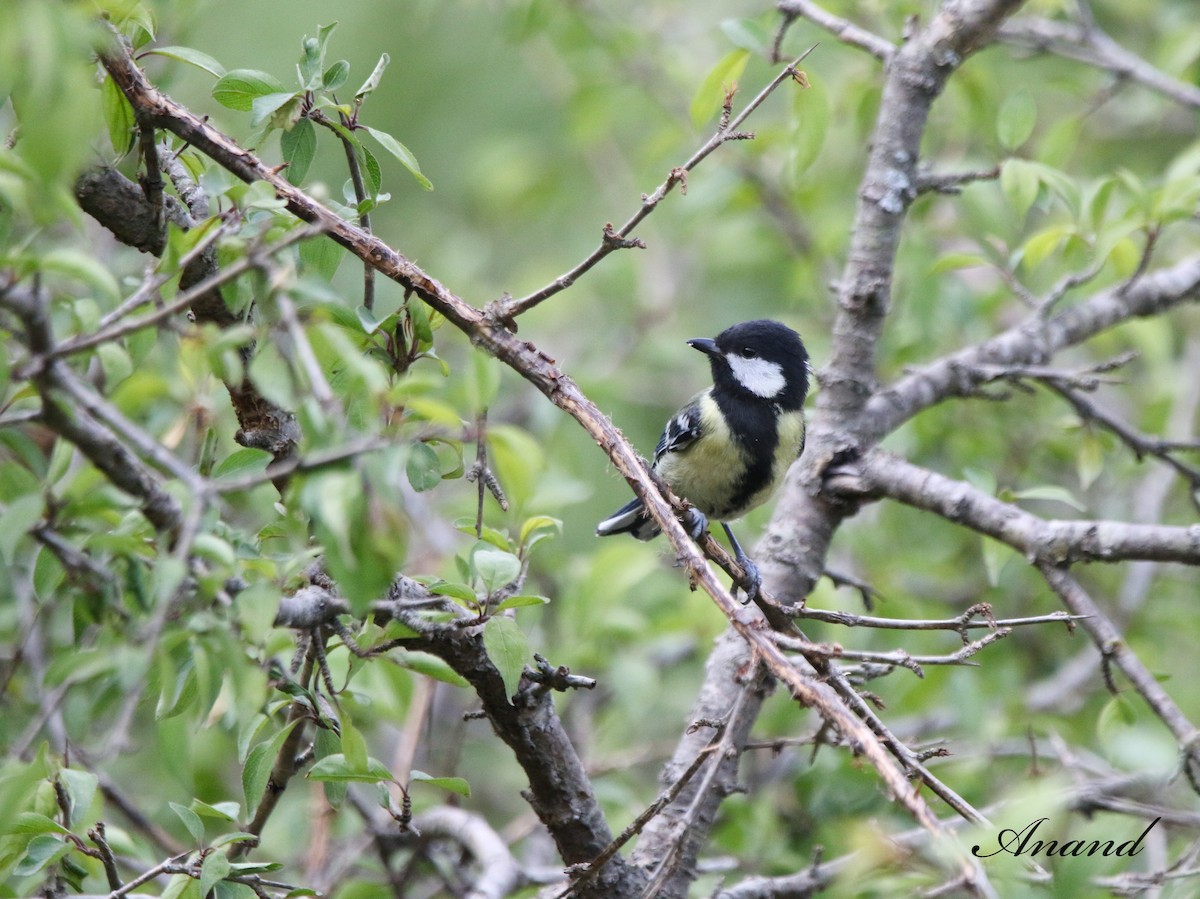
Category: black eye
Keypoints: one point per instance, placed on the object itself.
(748, 352)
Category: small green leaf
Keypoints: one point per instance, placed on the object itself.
(951, 261)
(432, 666)
(335, 76)
(402, 153)
(335, 768)
(457, 785)
(298, 147)
(1020, 183)
(221, 811)
(31, 822)
(1015, 121)
(536, 529)
(118, 116)
(373, 80)
(981, 479)
(239, 89)
(80, 787)
(213, 869)
(1053, 493)
(749, 35)
(17, 520)
(321, 257)
(190, 820)
(257, 770)
(279, 109)
(190, 56)
(508, 649)
(455, 591)
(495, 568)
(42, 851)
(1043, 244)
(423, 468)
(996, 555)
(239, 836)
(710, 95)
(516, 602)
(1089, 459)
(244, 461)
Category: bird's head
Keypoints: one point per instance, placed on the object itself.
(759, 359)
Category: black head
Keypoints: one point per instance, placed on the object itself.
(758, 360)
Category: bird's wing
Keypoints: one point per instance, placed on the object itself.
(681, 430)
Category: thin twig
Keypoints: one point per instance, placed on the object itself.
(506, 310)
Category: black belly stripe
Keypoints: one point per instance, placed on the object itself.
(753, 425)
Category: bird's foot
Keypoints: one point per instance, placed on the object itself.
(696, 522)
(752, 581)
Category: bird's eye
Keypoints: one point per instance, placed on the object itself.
(748, 352)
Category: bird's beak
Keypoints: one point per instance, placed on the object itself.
(706, 345)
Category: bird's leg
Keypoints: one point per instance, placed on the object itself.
(753, 576)
(696, 522)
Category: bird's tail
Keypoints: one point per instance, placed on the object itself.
(631, 518)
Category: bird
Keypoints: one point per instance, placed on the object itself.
(729, 447)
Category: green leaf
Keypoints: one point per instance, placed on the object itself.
(432, 666)
(18, 519)
(951, 261)
(749, 35)
(1020, 183)
(321, 256)
(118, 116)
(221, 811)
(996, 556)
(244, 461)
(190, 56)
(335, 76)
(241, 836)
(80, 787)
(298, 147)
(423, 468)
(213, 869)
(373, 80)
(239, 89)
(457, 785)
(31, 822)
(1044, 243)
(335, 768)
(277, 110)
(710, 95)
(1089, 458)
(536, 529)
(374, 178)
(402, 153)
(190, 820)
(508, 649)
(257, 770)
(1053, 493)
(42, 851)
(495, 568)
(516, 602)
(1016, 118)
(455, 591)
(811, 113)
(83, 268)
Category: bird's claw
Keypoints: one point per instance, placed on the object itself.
(752, 579)
(696, 523)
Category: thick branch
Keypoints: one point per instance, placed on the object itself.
(1042, 541)
(1091, 46)
(1032, 342)
(93, 439)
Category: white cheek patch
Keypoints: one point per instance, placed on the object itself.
(759, 376)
